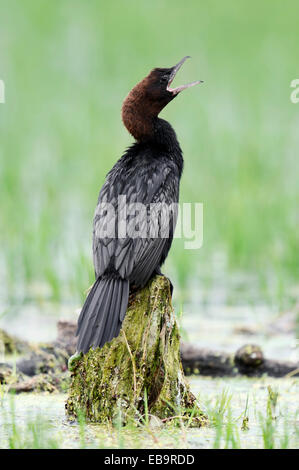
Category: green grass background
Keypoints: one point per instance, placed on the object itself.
(67, 66)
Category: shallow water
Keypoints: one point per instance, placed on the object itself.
(211, 325)
(229, 327)
(43, 415)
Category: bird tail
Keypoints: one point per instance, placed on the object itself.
(103, 312)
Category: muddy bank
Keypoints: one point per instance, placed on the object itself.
(248, 360)
(44, 366)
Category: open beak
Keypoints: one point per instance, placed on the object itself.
(174, 71)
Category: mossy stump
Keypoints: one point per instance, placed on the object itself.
(140, 371)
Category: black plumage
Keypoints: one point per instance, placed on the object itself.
(149, 173)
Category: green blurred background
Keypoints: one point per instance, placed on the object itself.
(67, 66)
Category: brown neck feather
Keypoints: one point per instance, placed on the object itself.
(139, 112)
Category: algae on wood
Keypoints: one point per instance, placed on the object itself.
(139, 370)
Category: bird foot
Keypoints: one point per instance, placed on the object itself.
(170, 283)
(73, 360)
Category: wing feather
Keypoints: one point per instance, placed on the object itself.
(136, 259)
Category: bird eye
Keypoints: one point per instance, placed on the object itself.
(164, 78)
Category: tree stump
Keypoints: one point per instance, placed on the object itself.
(138, 372)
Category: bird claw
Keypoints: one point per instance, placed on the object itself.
(159, 273)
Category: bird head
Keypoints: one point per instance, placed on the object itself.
(158, 84)
(147, 99)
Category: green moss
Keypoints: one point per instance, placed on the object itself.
(12, 345)
(144, 357)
